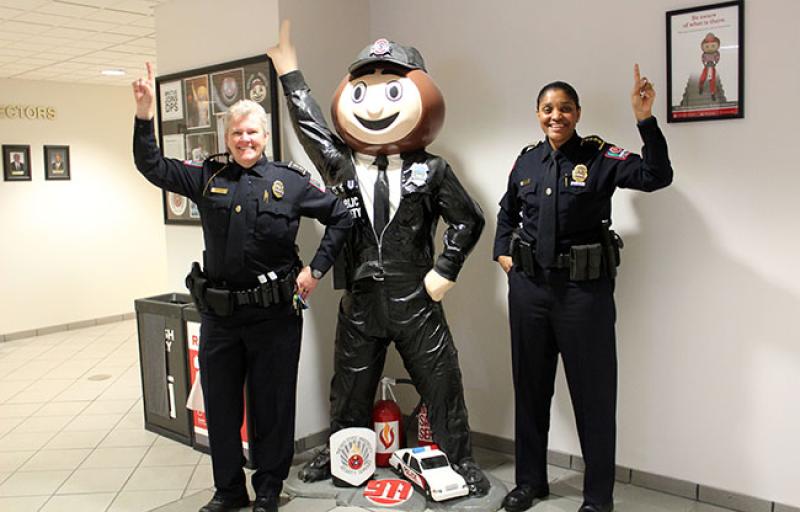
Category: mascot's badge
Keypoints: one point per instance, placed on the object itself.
(419, 174)
(380, 48)
(579, 175)
(277, 189)
(353, 455)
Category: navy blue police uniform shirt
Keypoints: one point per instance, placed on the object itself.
(250, 217)
(589, 171)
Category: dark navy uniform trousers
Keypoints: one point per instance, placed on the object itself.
(551, 315)
(266, 348)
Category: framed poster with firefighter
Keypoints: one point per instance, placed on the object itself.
(705, 62)
(191, 107)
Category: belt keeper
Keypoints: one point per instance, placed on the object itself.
(263, 290)
(273, 285)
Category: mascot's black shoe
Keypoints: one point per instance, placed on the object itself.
(586, 507)
(477, 483)
(521, 498)
(266, 504)
(220, 504)
(319, 468)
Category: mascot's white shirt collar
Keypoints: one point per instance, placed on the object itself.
(367, 174)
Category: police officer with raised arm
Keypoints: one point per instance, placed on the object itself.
(250, 291)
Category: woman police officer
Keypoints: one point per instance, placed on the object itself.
(250, 211)
(554, 242)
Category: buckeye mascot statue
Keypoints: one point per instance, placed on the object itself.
(386, 110)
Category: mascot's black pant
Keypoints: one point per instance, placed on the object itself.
(372, 315)
(264, 346)
(550, 315)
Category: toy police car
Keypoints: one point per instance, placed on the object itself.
(427, 467)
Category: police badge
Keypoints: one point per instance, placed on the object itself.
(277, 189)
(353, 455)
(419, 173)
(579, 175)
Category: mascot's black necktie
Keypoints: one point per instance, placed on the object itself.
(546, 235)
(380, 205)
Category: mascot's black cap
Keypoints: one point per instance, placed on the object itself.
(384, 50)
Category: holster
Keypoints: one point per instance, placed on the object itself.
(197, 283)
(523, 257)
(612, 244)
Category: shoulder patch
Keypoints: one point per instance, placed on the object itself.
(316, 184)
(193, 163)
(593, 140)
(617, 153)
(529, 147)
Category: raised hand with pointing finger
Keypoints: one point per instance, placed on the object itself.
(283, 55)
(642, 95)
(144, 94)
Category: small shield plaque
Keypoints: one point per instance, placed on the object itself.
(353, 455)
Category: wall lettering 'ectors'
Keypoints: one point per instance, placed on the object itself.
(27, 112)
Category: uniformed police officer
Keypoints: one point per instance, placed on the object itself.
(553, 240)
(250, 210)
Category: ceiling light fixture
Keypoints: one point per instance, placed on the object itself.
(113, 72)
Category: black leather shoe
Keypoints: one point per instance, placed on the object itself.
(522, 496)
(266, 504)
(319, 468)
(477, 483)
(220, 504)
(587, 507)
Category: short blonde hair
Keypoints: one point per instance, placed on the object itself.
(246, 108)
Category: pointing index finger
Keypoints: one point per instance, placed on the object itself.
(285, 30)
(149, 71)
(637, 78)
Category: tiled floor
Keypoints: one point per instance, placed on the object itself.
(72, 438)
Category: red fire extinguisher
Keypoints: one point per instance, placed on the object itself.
(387, 421)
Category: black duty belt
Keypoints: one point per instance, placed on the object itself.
(585, 262)
(222, 301)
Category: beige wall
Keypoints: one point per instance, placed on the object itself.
(85, 248)
(707, 295)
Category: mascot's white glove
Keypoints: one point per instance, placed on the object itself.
(436, 285)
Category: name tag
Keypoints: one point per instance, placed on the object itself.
(219, 190)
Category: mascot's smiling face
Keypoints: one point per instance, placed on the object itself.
(380, 107)
(387, 105)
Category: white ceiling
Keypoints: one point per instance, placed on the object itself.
(73, 40)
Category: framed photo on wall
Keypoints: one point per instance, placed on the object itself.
(56, 163)
(191, 106)
(16, 162)
(705, 62)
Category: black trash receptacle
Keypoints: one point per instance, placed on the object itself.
(200, 430)
(162, 354)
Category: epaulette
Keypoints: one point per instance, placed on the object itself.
(529, 147)
(293, 166)
(595, 141)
